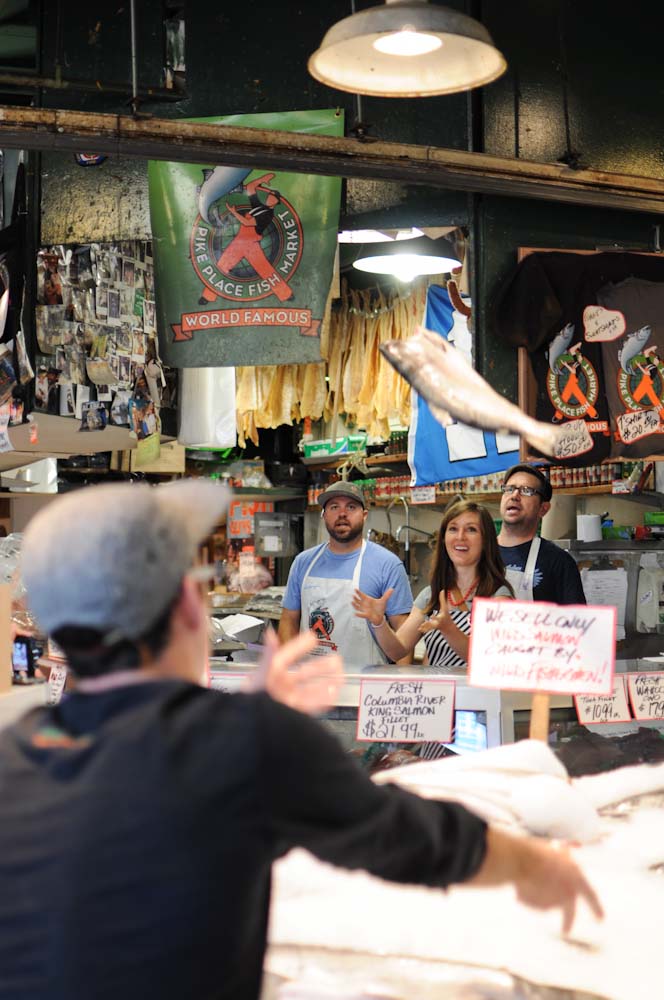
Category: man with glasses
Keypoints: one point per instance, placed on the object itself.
(537, 569)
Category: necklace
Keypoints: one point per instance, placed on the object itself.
(464, 597)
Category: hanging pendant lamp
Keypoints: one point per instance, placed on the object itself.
(407, 48)
(409, 259)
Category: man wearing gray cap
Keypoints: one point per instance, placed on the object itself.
(323, 579)
(140, 817)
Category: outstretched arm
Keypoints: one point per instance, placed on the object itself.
(544, 876)
(395, 644)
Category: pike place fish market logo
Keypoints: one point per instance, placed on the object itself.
(643, 386)
(247, 243)
(321, 623)
(573, 386)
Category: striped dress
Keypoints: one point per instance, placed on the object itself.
(441, 654)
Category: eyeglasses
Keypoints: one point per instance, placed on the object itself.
(525, 491)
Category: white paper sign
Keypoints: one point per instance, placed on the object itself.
(594, 709)
(405, 710)
(603, 324)
(533, 646)
(423, 494)
(574, 440)
(646, 693)
(57, 679)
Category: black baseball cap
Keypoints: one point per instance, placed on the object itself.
(342, 489)
(532, 470)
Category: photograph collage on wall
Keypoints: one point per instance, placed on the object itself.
(98, 358)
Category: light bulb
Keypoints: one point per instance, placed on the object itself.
(407, 43)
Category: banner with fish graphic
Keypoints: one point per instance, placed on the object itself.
(633, 356)
(243, 258)
(435, 453)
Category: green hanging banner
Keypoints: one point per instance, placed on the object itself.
(243, 258)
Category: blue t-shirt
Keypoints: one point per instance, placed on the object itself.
(381, 569)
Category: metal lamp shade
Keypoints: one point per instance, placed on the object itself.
(407, 259)
(347, 59)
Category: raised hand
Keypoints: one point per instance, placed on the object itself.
(309, 685)
(371, 608)
(441, 620)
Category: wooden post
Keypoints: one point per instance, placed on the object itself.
(5, 637)
(539, 717)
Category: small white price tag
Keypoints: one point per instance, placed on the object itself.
(423, 494)
(407, 710)
(598, 709)
(56, 683)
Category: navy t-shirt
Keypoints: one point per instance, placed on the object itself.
(138, 828)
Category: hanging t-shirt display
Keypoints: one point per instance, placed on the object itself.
(550, 306)
(633, 315)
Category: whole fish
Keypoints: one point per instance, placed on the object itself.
(558, 346)
(217, 183)
(455, 391)
(631, 347)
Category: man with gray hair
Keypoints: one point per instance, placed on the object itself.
(140, 817)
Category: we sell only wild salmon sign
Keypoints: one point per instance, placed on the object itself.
(243, 258)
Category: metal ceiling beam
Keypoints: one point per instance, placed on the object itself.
(198, 142)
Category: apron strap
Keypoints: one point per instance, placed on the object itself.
(529, 569)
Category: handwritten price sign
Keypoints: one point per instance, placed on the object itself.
(646, 693)
(405, 711)
(637, 424)
(596, 709)
(532, 646)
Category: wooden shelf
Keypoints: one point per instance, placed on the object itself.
(387, 459)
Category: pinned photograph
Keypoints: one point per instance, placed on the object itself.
(16, 408)
(104, 393)
(124, 339)
(41, 388)
(101, 301)
(138, 347)
(149, 283)
(126, 303)
(128, 271)
(124, 368)
(82, 396)
(120, 408)
(149, 324)
(67, 404)
(49, 282)
(113, 307)
(94, 416)
(143, 417)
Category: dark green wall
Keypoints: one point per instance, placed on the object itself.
(584, 78)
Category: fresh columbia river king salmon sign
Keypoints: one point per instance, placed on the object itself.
(533, 646)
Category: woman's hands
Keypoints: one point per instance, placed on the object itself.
(441, 620)
(371, 608)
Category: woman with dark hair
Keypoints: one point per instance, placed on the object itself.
(466, 564)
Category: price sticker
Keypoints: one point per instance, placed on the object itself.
(597, 709)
